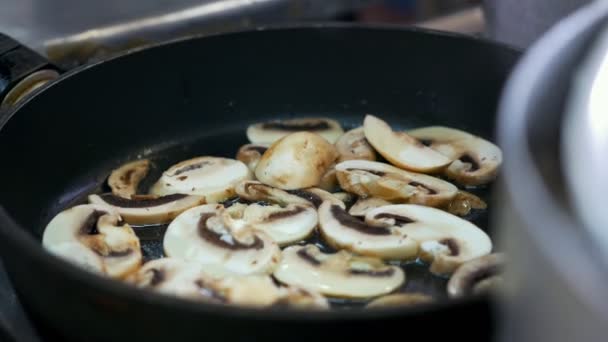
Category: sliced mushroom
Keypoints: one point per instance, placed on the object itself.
(287, 216)
(211, 234)
(95, 238)
(374, 179)
(191, 280)
(400, 299)
(363, 205)
(353, 145)
(269, 132)
(445, 240)
(347, 198)
(148, 210)
(251, 154)
(212, 177)
(296, 161)
(475, 161)
(477, 276)
(464, 202)
(401, 149)
(124, 180)
(341, 274)
(329, 181)
(341, 230)
(300, 298)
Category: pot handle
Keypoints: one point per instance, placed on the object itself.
(22, 71)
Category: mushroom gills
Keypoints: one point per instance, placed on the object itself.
(212, 234)
(271, 131)
(474, 160)
(95, 238)
(148, 210)
(477, 276)
(340, 275)
(211, 177)
(124, 180)
(250, 154)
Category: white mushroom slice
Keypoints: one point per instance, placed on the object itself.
(446, 241)
(475, 161)
(210, 234)
(345, 197)
(354, 145)
(149, 211)
(374, 179)
(269, 132)
(300, 298)
(95, 238)
(464, 202)
(251, 154)
(341, 274)
(191, 280)
(212, 177)
(124, 180)
(400, 299)
(287, 216)
(401, 149)
(296, 161)
(341, 230)
(477, 276)
(363, 205)
(317, 196)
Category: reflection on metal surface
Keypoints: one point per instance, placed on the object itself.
(27, 86)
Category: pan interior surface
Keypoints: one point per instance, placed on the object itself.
(196, 97)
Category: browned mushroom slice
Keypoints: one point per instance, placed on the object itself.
(343, 231)
(444, 240)
(213, 235)
(476, 276)
(299, 298)
(475, 161)
(296, 161)
(401, 149)
(341, 274)
(464, 202)
(269, 132)
(212, 177)
(95, 238)
(400, 299)
(124, 180)
(250, 154)
(329, 181)
(353, 145)
(192, 280)
(148, 210)
(373, 179)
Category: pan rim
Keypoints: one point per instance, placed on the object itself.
(12, 231)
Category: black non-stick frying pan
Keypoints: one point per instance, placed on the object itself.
(196, 97)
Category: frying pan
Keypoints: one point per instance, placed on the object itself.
(194, 97)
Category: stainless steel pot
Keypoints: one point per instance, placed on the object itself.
(557, 280)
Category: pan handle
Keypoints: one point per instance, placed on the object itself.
(21, 71)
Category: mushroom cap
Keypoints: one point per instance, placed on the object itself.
(375, 179)
(296, 161)
(212, 177)
(124, 180)
(148, 211)
(250, 154)
(445, 240)
(191, 280)
(271, 131)
(401, 149)
(210, 234)
(95, 238)
(400, 299)
(476, 275)
(341, 274)
(341, 230)
(475, 161)
(354, 145)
